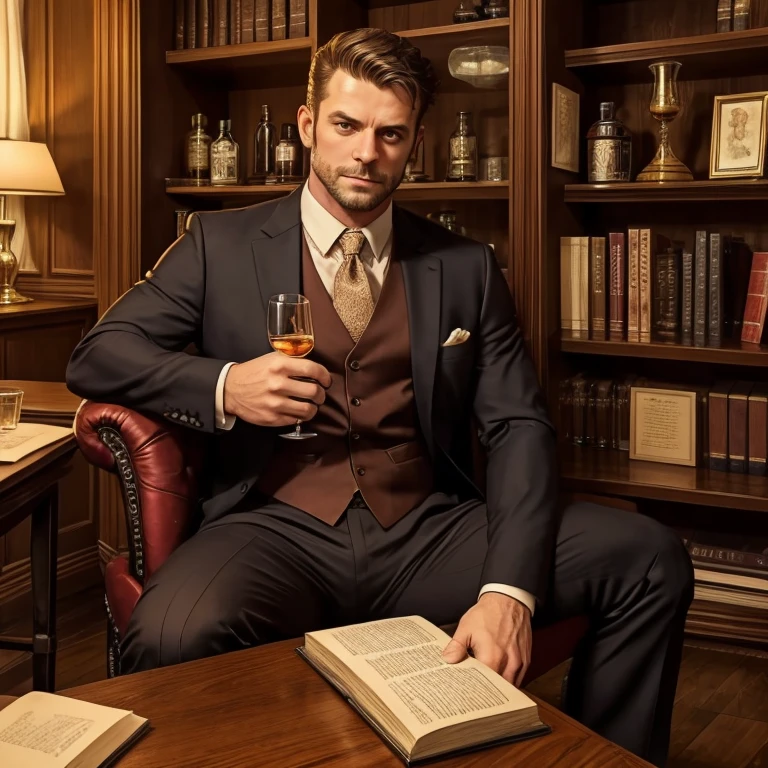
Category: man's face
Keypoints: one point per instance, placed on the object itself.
(361, 138)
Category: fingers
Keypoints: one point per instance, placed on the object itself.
(294, 366)
(295, 409)
(304, 390)
(489, 653)
(454, 652)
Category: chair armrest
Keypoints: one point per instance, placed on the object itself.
(158, 466)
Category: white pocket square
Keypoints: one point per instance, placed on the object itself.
(458, 336)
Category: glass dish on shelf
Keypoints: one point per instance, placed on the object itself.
(482, 66)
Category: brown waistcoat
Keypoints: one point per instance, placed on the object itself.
(368, 437)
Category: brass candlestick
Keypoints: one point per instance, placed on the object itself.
(665, 107)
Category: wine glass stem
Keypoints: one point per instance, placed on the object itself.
(298, 427)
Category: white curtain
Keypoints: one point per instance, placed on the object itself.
(14, 120)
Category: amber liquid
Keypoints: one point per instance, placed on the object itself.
(293, 344)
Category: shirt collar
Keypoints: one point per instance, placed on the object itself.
(325, 229)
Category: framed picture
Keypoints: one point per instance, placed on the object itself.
(738, 135)
(565, 128)
(662, 425)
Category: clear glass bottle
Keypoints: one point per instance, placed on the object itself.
(225, 157)
(462, 152)
(197, 150)
(263, 148)
(609, 147)
(465, 11)
(288, 155)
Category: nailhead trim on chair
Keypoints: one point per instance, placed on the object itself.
(113, 643)
(112, 439)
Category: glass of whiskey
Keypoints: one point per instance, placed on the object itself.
(10, 407)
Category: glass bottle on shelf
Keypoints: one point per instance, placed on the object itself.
(462, 151)
(288, 155)
(225, 157)
(495, 9)
(197, 151)
(263, 148)
(609, 147)
(465, 11)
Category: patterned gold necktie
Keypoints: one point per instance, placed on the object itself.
(352, 296)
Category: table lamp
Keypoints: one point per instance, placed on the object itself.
(26, 168)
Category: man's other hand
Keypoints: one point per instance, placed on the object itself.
(498, 631)
(265, 391)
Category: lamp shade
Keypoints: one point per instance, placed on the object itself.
(26, 168)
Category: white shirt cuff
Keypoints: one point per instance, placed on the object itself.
(526, 598)
(223, 420)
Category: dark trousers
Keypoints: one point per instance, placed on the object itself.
(276, 572)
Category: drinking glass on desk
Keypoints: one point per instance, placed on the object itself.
(10, 407)
(289, 325)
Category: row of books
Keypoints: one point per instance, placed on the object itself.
(731, 421)
(204, 23)
(644, 288)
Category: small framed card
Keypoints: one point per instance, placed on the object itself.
(565, 128)
(663, 426)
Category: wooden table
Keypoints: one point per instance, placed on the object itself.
(266, 707)
(29, 488)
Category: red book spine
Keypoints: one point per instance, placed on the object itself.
(757, 300)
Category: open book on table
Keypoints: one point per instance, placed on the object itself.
(393, 674)
(17, 443)
(45, 730)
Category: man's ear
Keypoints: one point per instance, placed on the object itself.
(305, 121)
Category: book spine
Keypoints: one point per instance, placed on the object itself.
(741, 14)
(220, 22)
(757, 427)
(298, 25)
(633, 300)
(644, 272)
(700, 291)
(575, 262)
(616, 315)
(738, 439)
(735, 557)
(687, 314)
(190, 24)
(718, 429)
(235, 22)
(248, 8)
(604, 416)
(566, 316)
(178, 24)
(598, 288)
(724, 15)
(757, 300)
(584, 287)
(261, 20)
(279, 17)
(204, 23)
(715, 290)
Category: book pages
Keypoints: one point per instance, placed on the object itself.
(17, 443)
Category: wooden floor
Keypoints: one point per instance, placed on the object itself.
(721, 709)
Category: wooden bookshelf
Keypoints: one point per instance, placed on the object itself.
(438, 190)
(717, 190)
(283, 62)
(729, 353)
(703, 56)
(612, 472)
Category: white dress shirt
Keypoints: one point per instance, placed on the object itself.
(322, 231)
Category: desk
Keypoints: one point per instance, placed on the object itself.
(266, 707)
(29, 488)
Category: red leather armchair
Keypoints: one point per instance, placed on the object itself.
(159, 466)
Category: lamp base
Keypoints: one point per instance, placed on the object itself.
(665, 167)
(9, 295)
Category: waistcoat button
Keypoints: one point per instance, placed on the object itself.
(361, 471)
(243, 487)
(355, 365)
(355, 435)
(355, 401)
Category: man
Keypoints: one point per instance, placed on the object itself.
(378, 515)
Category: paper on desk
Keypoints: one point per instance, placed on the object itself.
(17, 443)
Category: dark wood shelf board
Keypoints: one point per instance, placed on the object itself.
(247, 65)
(702, 56)
(439, 190)
(612, 472)
(729, 353)
(717, 190)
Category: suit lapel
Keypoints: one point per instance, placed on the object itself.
(277, 252)
(422, 276)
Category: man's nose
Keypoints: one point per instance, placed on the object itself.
(365, 150)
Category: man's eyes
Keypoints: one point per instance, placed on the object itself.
(390, 136)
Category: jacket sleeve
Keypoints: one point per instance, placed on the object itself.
(519, 441)
(134, 355)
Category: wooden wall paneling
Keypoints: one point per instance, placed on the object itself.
(401, 16)
(327, 17)
(117, 235)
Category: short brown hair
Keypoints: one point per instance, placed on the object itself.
(379, 57)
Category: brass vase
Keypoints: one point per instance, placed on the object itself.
(665, 107)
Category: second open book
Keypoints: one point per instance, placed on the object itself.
(393, 673)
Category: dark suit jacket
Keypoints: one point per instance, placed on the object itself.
(211, 288)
